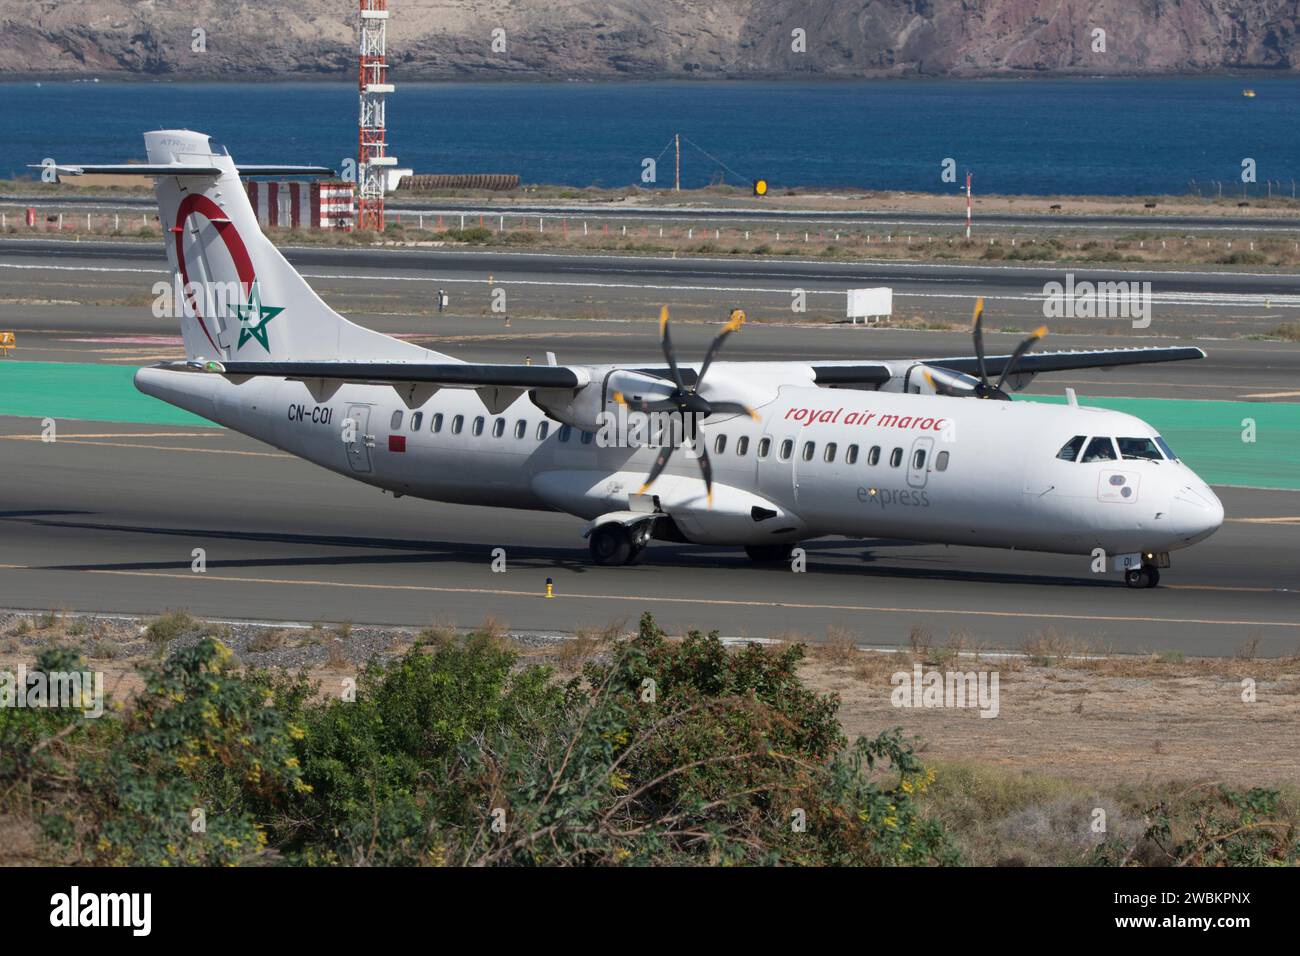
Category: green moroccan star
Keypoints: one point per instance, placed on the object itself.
(253, 318)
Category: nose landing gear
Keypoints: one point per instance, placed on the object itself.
(1146, 576)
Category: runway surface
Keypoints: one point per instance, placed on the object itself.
(107, 517)
(1242, 221)
(69, 301)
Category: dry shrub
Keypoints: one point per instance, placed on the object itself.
(267, 639)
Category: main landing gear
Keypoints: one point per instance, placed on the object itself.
(614, 544)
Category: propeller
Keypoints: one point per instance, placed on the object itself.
(945, 382)
(684, 400)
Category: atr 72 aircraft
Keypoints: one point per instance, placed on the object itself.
(787, 451)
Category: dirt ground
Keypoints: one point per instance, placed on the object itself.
(1114, 722)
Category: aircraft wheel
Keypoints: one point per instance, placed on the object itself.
(1142, 577)
(769, 553)
(610, 544)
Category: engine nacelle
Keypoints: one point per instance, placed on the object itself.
(583, 407)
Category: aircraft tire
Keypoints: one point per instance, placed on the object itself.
(1142, 577)
(610, 544)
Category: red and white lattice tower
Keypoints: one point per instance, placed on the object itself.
(372, 160)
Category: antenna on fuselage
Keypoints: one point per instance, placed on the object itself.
(1071, 398)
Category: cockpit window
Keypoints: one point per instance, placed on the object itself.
(1138, 448)
(1070, 450)
(1164, 447)
(1099, 449)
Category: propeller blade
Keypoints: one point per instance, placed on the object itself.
(977, 327)
(1021, 349)
(706, 468)
(732, 408)
(669, 352)
(661, 462)
(733, 325)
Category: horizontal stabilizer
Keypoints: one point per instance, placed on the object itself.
(136, 169)
(184, 169)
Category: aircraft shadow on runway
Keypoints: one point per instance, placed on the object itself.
(861, 555)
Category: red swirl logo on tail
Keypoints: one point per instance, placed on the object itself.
(195, 205)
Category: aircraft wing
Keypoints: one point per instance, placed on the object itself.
(1036, 362)
(825, 373)
(443, 375)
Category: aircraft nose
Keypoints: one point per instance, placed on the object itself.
(1197, 512)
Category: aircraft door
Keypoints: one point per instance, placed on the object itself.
(358, 449)
(920, 461)
(775, 458)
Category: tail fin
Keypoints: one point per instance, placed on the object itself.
(240, 299)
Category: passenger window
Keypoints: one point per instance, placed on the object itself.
(498, 428)
(809, 449)
(1099, 449)
(873, 456)
(416, 421)
(543, 428)
(941, 461)
(851, 455)
(586, 437)
(436, 425)
(918, 459)
(1137, 449)
(521, 428)
(895, 458)
(1070, 450)
(830, 450)
(457, 424)
(565, 432)
(720, 444)
(396, 423)
(764, 447)
(477, 428)
(787, 449)
(742, 445)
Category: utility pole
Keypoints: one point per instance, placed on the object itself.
(677, 176)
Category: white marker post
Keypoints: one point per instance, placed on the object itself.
(968, 206)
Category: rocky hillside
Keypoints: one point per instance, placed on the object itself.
(441, 39)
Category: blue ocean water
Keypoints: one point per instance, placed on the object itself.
(1080, 136)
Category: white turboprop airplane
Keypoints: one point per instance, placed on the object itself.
(788, 451)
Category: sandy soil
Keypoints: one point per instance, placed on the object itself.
(1102, 724)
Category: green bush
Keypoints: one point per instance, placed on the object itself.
(660, 752)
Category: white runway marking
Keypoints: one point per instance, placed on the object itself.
(1211, 299)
